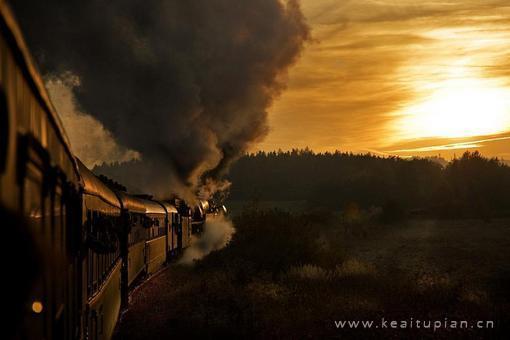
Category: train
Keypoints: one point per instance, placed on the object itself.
(84, 245)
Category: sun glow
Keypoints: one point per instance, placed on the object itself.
(458, 108)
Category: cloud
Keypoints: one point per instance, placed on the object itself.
(496, 144)
(371, 59)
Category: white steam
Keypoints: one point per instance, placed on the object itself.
(90, 140)
(218, 231)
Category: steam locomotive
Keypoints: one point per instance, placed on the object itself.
(91, 243)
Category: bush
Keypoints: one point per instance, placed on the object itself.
(270, 241)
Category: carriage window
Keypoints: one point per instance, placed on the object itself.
(4, 130)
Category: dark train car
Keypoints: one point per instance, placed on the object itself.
(200, 211)
(101, 261)
(186, 230)
(204, 211)
(157, 239)
(185, 223)
(134, 234)
(179, 216)
(38, 180)
(172, 224)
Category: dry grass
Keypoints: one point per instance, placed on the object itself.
(290, 276)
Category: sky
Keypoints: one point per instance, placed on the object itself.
(389, 77)
(400, 78)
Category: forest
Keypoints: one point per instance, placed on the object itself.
(468, 186)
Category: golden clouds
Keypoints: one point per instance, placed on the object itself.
(375, 62)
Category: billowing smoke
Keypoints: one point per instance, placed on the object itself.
(186, 84)
(89, 139)
(217, 234)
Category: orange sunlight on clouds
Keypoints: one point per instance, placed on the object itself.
(386, 76)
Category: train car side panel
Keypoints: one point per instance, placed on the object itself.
(186, 231)
(155, 254)
(136, 261)
(104, 308)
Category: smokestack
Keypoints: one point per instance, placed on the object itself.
(185, 84)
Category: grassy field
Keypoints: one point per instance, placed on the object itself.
(292, 275)
(237, 207)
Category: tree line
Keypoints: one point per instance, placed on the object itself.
(469, 186)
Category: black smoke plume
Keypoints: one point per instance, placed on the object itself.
(187, 84)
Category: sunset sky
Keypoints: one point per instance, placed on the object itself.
(399, 77)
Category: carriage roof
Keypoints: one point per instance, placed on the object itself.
(94, 186)
(153, 207)
(169, 207)
(131, 203)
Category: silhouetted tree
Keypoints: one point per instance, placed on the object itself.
(469, 186)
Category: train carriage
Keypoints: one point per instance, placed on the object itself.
(134, 234)
(174, 231)
(203, 211)
(185, 224)
(200, 211)
(39, 180)
(91, 243)
(157, 239)
(101, 263)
